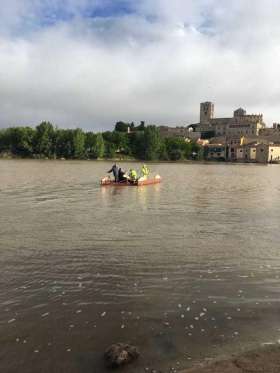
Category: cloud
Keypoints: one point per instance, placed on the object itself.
(91, 63)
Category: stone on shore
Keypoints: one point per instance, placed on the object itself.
(120, 354)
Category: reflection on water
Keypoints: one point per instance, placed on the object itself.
(187, 270)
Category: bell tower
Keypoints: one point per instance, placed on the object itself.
(206, 112)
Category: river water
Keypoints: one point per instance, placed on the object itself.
(187, 270)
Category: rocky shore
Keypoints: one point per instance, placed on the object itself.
(266, 360)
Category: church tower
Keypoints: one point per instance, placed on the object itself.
(206, 112)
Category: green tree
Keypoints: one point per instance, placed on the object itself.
(17, 140)
(163, 155)
(110, 150)
(4, 142)
(64, 143)
(78, 143)
(177, 148)
(44, 139)
(152, 142)
(121, 126)
(90, 139)
(99, 146)
(141, 126)
(136, 144)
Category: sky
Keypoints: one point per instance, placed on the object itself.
(90, 63)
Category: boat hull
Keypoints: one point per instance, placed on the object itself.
(108, 182)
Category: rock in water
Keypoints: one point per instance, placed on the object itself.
(120, 354)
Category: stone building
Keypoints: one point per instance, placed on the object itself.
(241, 124)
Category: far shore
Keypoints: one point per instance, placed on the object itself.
(131, 160)
(265, 360)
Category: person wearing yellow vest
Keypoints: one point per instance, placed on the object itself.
(145, 171)
(132, 175)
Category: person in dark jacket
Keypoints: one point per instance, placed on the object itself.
(115, 170)
(122, 178)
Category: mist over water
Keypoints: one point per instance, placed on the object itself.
(187, 270)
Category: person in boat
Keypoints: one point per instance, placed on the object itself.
(145, 171)
(115, 170)
(122, 177)
(132, 175)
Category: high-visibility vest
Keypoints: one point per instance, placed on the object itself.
(133, 175)
(145, 170)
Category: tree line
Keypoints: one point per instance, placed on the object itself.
(125, 141)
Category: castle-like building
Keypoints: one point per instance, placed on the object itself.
(241, 124)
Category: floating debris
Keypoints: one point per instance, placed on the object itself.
(36, 351)
(268, 343)
(68, 350)
(122, 326)
(182, 316)
(12, 320)
(17, 339)
(78, 311)
(45, 314)
(179, 305)
(188, 309)
(103, 314)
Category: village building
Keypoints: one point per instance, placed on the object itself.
(259, 153)
(215, 152)
(167, 131)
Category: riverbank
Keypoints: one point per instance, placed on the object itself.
(266, 360)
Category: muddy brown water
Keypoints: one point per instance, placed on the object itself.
(187, 270)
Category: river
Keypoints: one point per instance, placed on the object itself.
(187, 270)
